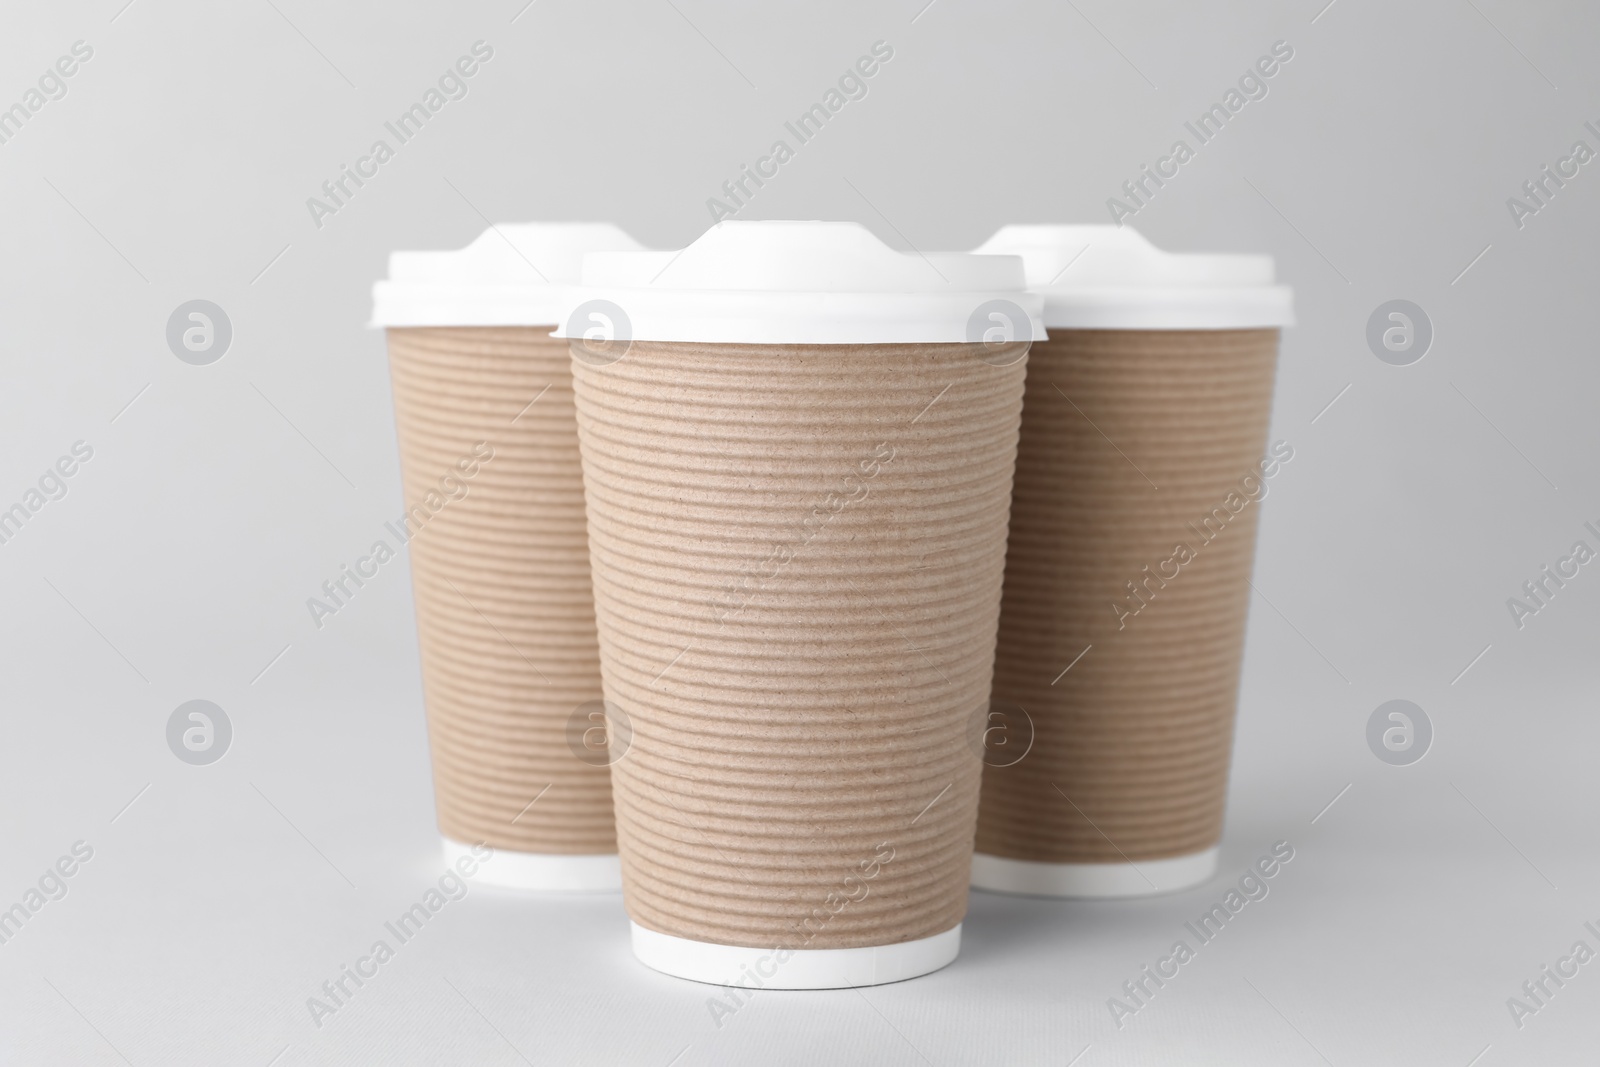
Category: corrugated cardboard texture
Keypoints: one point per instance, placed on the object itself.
(1131, 746)
(504, 609)
(797, 557)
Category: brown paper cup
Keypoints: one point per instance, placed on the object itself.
(499, 559)
(797, 555)
(1122, 627)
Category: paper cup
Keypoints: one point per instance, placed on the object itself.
(499, 553)
(1142, 464)
(798, 473)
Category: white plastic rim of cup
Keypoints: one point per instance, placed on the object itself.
(1112, 278)
(512, 274)
(818, 283)
(541, 871)
(1145, 878)
(781, 968)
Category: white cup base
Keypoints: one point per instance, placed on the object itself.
(1145, 878)
(598, 873)
(806, 968)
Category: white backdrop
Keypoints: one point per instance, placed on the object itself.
(175, 163)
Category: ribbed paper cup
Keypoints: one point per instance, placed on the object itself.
(504, 610)
(797, 553)
(1129, 763)
(1142, 464)
(499, 551)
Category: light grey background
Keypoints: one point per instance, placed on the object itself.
(178, 565)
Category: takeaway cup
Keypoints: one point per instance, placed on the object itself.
(797, 448)
(1140, 474)
(499, 554)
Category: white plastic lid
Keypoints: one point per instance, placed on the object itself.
(513, 274)
(803, 283)
(1110, 277)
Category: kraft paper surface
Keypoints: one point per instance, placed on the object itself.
(797, 557)
(500, 565)
(1133, 443)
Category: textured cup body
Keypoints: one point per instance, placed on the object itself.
(797, 555)
(500, 565)
(1133, 444)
